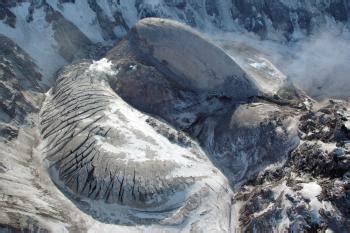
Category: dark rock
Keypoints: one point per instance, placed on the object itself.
(8, 132)
(338, 10)
(8, 17)
(211, 8)
(254, 15)
(327, 124)
(18, 74)
(3, 168)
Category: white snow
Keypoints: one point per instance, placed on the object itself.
(328, 147)
(346, 114)
(285, 222)
(129, 11)
(82, 16)
(36, 38)
(307, 104)
(311, 191)
(141, 138)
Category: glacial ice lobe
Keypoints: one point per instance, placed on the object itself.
(104, 149)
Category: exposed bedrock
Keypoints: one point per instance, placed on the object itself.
(100, 147)
(19, 85)
(311, 191)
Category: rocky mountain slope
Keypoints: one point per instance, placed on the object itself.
(112, 19)
(66, 29)
(302, 36)
(152, 127)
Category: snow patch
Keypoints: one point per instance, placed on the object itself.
(311, 191)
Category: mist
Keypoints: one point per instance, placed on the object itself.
(320, 65)
(317, 64)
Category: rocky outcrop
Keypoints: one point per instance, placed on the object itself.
(250, 138)
(61, 41)
(288, 17)
(19, 84)
(310, 192)
(268, 19)
(282, 19)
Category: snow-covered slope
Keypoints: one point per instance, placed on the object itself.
(35, 37)
(57, 23)
(69, 30)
